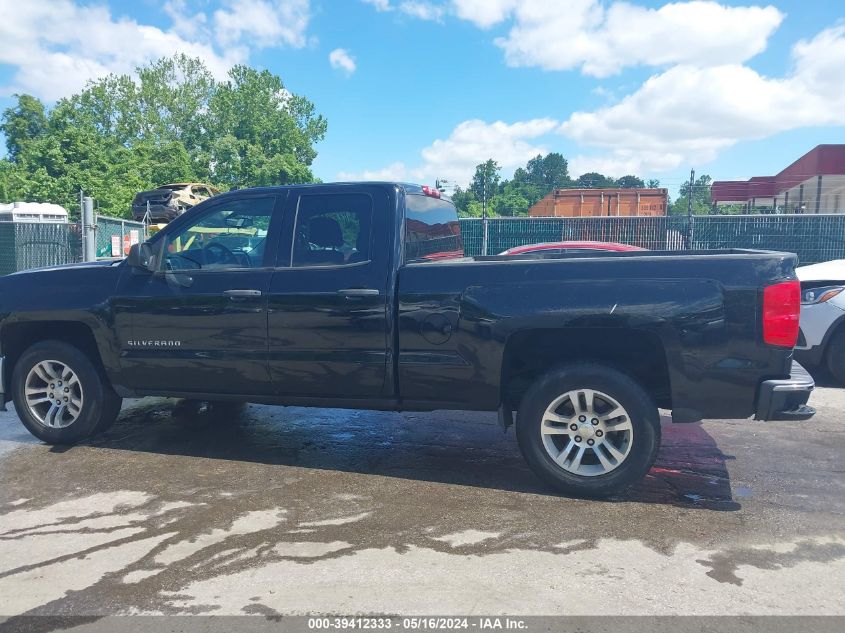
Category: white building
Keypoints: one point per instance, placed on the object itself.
(38, 212)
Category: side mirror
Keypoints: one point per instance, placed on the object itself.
(141, 256)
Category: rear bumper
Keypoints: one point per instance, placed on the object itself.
(786, 399)
(157, 212)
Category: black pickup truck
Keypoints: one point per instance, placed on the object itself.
(360, 296)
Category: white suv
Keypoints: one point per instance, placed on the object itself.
(822, 336)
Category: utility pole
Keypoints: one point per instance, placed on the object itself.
(89, 238)
(82, 229)
(689, 209)
(484, 213)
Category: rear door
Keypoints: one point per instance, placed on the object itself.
(328, 305)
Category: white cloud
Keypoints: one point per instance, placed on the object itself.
(395, 172)
(263, 22)
(380, 5)
(601, 40)
(184, 23)
(688, 114)
(340, 59)
(470, 143)
(56, 46)
(422, 10)
(484, 13)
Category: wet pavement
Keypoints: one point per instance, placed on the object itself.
(292, 511)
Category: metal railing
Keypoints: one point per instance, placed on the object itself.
(815, 238)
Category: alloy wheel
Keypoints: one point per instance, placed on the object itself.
(587, 432)
(53, 394)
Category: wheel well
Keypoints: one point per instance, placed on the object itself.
(15, 338)
(637, 353)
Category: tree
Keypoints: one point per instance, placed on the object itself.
(549, 171)
(172, 122)
(510, 203)
(630, 182)
(652, 183)
(594, 180)
(462, 198)
(701, 203)
(261, 134)
(485, 182)
(529, 184)
(23, 123)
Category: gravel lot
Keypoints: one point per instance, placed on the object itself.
(293, 511)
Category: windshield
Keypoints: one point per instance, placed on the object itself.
(432, 231)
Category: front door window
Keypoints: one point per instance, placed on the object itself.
(231, 236)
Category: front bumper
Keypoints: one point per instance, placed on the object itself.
(786, 399)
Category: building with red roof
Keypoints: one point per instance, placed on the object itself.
(815, 183)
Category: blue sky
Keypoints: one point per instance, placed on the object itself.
(418, 89)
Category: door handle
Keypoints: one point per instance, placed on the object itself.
(358, 292)
(242, 293)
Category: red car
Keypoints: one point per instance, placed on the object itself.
(559, 248)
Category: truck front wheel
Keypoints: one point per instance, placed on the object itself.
(836, 356)
(59, 394)
(588, 430)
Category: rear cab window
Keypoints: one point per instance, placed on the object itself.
(432, 231)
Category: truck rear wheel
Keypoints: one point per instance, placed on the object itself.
(588, 430)
(59, 394)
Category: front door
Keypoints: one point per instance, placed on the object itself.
(329, 304)
(200, 325)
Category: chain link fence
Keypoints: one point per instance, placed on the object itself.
(815, 238)
(25, 245)
(654, 233)
(114, 234)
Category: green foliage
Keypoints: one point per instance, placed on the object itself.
(594, 180)
(25, 121)
(548, 172)
(510, 203)
(701, 203)
(512, 197)
(172, 123)
(486, 180)
(630, 182)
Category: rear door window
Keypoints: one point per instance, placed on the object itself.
(432, 231)
(332, 230)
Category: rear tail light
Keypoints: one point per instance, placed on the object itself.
(781, 310)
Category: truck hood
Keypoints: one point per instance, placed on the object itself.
(60, 267)
(826, 271)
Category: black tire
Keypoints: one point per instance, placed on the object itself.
(643, 414)
(836, 356)
(111, 410)
(100, 404)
